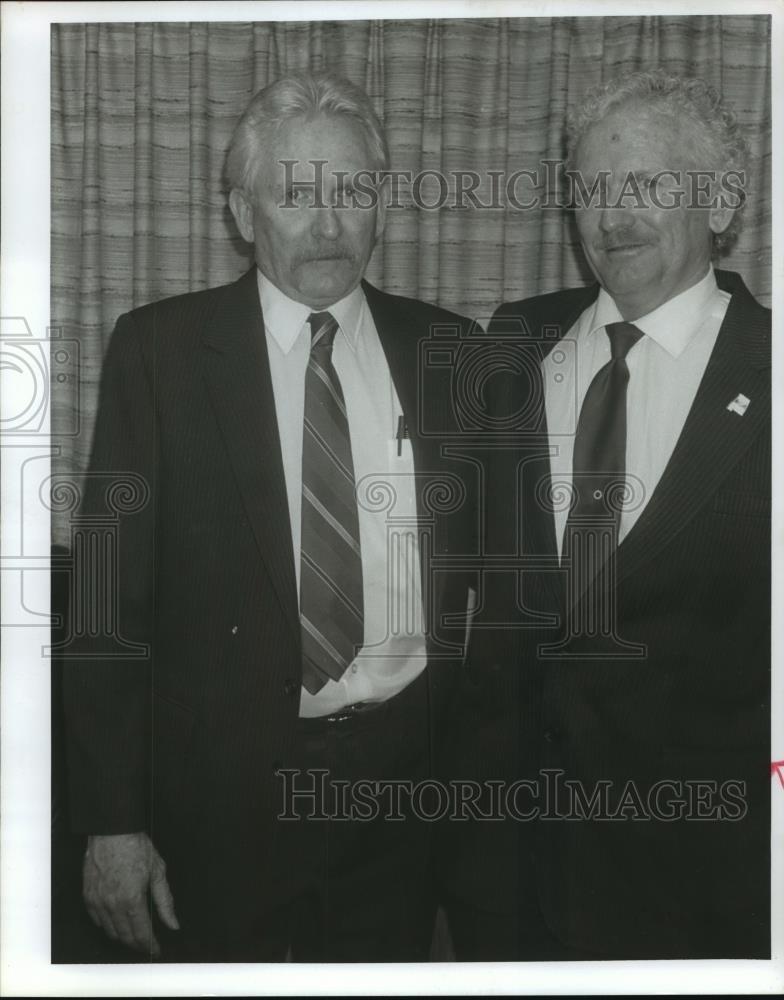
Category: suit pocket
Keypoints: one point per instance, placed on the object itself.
(471, 606)
(742, 504)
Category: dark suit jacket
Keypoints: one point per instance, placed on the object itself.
(183, 743)
(692, 586)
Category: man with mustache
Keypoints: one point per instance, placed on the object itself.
(278, 576)
(631, 680)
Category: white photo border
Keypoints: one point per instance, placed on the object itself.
(25, 967)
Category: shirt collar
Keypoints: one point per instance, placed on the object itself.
(284, 318)
(672, 324)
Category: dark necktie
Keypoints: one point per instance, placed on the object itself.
(331, 599)
(599, 460)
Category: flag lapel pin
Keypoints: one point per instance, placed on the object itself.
(739, 405)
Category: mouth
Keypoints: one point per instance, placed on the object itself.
(326, 258)
(625, 249)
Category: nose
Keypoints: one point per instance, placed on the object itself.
(612, 218)
(326, 224)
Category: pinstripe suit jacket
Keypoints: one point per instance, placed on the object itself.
(692, 588)
(184, 742)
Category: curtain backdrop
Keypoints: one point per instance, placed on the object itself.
(142, 115)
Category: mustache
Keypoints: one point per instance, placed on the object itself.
(621, 238)
(332, 252)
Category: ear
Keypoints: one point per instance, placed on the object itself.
(242, 210)
(720, 217)
(382, 193)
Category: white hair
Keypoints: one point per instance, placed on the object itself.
(299, 95)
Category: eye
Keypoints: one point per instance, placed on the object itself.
(297, 195)
(645, 182)
(347, 195)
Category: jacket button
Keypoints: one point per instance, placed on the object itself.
(550, 735)
(291, 687)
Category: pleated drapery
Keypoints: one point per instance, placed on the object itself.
(142, 114)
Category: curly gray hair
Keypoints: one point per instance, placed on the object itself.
(716, 129)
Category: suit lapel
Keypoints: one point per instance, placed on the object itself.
(401, 334)
(713, 438)
(236, 370)
(397, 330)
(547, 326)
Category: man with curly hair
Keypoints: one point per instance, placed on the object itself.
(633, 693)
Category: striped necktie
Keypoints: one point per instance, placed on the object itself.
(331, 598)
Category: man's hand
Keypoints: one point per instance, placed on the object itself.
(118, 871)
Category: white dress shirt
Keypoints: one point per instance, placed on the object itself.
(394, 647)
(665, 370)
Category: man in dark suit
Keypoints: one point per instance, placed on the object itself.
(630, 683)
(278, 573)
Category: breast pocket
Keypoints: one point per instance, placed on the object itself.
(400, 454)
(401, 479)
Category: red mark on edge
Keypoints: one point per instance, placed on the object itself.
(776, 767)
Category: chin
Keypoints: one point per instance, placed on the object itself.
(325, 294)
(327, 291)
(627, 279)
